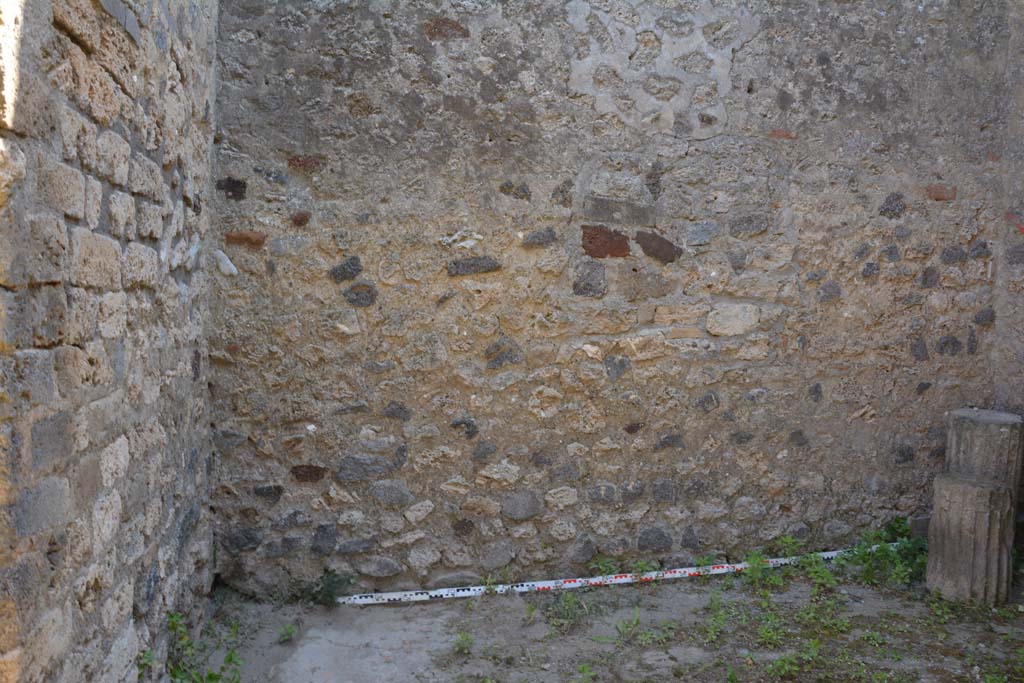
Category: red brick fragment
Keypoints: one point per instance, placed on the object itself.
(301, 218)
(602, 242)
(305, 163)
(246, 238)
(443, 28)
(940, 193)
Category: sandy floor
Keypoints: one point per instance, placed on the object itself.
(713, 629)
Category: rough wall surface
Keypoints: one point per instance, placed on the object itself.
(104, 440)
(1009, 286)
(504, 286)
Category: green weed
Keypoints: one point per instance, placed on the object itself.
(789, 546)
(644, 567)
(790, 665)
(463, 644)
(603, 566)
(705, 561)
(326, 589)
(821, 577)
(717, 618)
(769, 633)
(188, 659)
(887, 557)
(286, 633)
(567, 612)
(824, 617)
(586, 674)
(941, 611)
(759, 573)
(144, 662)
(873, 638)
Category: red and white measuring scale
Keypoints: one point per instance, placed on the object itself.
(567, 584)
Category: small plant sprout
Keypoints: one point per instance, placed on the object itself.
(326, 589)
(188, 659)
(759, 573)
(286, 633)
(603, 566)
(644, 567)
(567, 612)
(463, 644)
(873, 638)
(586, 674)
(789, 546)
(717, 618)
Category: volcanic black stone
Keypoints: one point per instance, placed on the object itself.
(233, 188)
(467, 426)
(363, 467)
(893, 206)
(397, 410)
(664, 491)
(948, 345)
(361, 295)
(325, 538)
(980, 250)
(953, 254)
(473, 265)
(243, 538)
(657, 247)
(602, 493)
(483, 450)
(391, 493)
(355, 546)
(890, 253)
(739, 438)
(540, 238)
(654, 540)
(348, 269)
(616, 366)
(919, 349)
(504, 351)
(748, 226)
(590, 280)
(985, 316)
(671, 440)
(270, 493)
(903, 453)
(798, 438)
(929, 277)
(632, 491)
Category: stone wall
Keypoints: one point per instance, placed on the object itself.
(1009, 288)
(502, 287)
(104, 441)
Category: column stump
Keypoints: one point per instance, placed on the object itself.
(970, 536)
(970, 539)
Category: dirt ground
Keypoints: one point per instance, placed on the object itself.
(720, 629)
